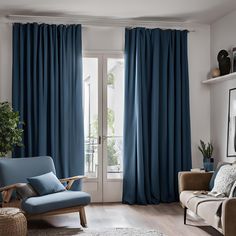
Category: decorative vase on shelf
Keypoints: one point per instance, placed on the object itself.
(208, 164)
(208, 160)
(224, 62)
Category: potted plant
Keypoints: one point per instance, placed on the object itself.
(10, 133)
(207, 150)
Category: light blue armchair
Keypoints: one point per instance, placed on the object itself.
(14, 173)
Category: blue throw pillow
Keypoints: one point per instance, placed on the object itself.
(46, 184)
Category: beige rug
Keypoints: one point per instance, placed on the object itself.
(93, 232)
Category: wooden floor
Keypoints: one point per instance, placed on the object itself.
(168, 218)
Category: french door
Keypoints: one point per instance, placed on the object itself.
(103, 86)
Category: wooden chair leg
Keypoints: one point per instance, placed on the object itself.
(82, 215)
(185, 214)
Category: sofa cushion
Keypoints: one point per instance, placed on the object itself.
(209, 212)
(17, 170)
(211, 184)
(225, 179)
(205, 206)
(192, 201)
(55, 201)
(46, 184)
(25, 191)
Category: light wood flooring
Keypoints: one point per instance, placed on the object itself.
(168, 218)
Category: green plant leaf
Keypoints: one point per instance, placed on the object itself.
(10, 131)
(206, 150)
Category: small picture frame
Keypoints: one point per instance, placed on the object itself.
(234, 59)
(231, 134)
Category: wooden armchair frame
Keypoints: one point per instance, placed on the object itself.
(7, 202)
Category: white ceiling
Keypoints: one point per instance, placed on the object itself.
(200, 11)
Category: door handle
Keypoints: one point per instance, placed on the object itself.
(99, 139)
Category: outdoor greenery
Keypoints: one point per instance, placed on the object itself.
(206, 150)
(112, 156)
(111, 121)
(111, 79)
(10, 133)
(94, 128)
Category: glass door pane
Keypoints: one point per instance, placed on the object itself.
(115, 89)
(90, 90)
(103, 82)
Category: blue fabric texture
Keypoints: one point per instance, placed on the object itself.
(55, 201)
(157, 140)
(46, 184)
(17, 170)
(47, 92)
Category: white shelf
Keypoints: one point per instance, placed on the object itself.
(220, 78)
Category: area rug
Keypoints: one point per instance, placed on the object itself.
(93, 232)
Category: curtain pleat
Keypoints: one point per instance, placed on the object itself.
(157, 140)
(47, 91)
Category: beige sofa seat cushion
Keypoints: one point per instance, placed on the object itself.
(208, 211)
(204, 206)
(186, 197)
(191, 201)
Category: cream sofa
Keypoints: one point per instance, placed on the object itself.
(220, 213)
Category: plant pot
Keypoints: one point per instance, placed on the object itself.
(208, 164)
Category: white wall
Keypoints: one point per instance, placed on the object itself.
(5, 61)
(223, 36)
(112, 39)
(103, 39)
(199, 64)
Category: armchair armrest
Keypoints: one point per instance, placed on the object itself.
(8, 190)
(194, 180)
(71, 180)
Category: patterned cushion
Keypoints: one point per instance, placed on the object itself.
(211, 184)
(26, 191)
(224, 180)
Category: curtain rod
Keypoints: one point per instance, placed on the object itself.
(99, 21)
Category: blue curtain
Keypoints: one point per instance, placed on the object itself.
(157, 143)
(47, 91)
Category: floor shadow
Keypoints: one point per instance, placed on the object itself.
(39, 224)
(44, 228)
(196, 221)
(54, 231)
(210, 230)
(201, 225)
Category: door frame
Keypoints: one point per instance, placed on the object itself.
(102, 183)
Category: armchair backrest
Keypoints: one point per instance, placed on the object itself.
(17, 170)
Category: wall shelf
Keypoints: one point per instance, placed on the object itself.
(220, 78)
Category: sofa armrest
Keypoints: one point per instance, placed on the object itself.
(9, 187)
(194, 180)
(228, 217)
(8, 190)
(71, 180)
